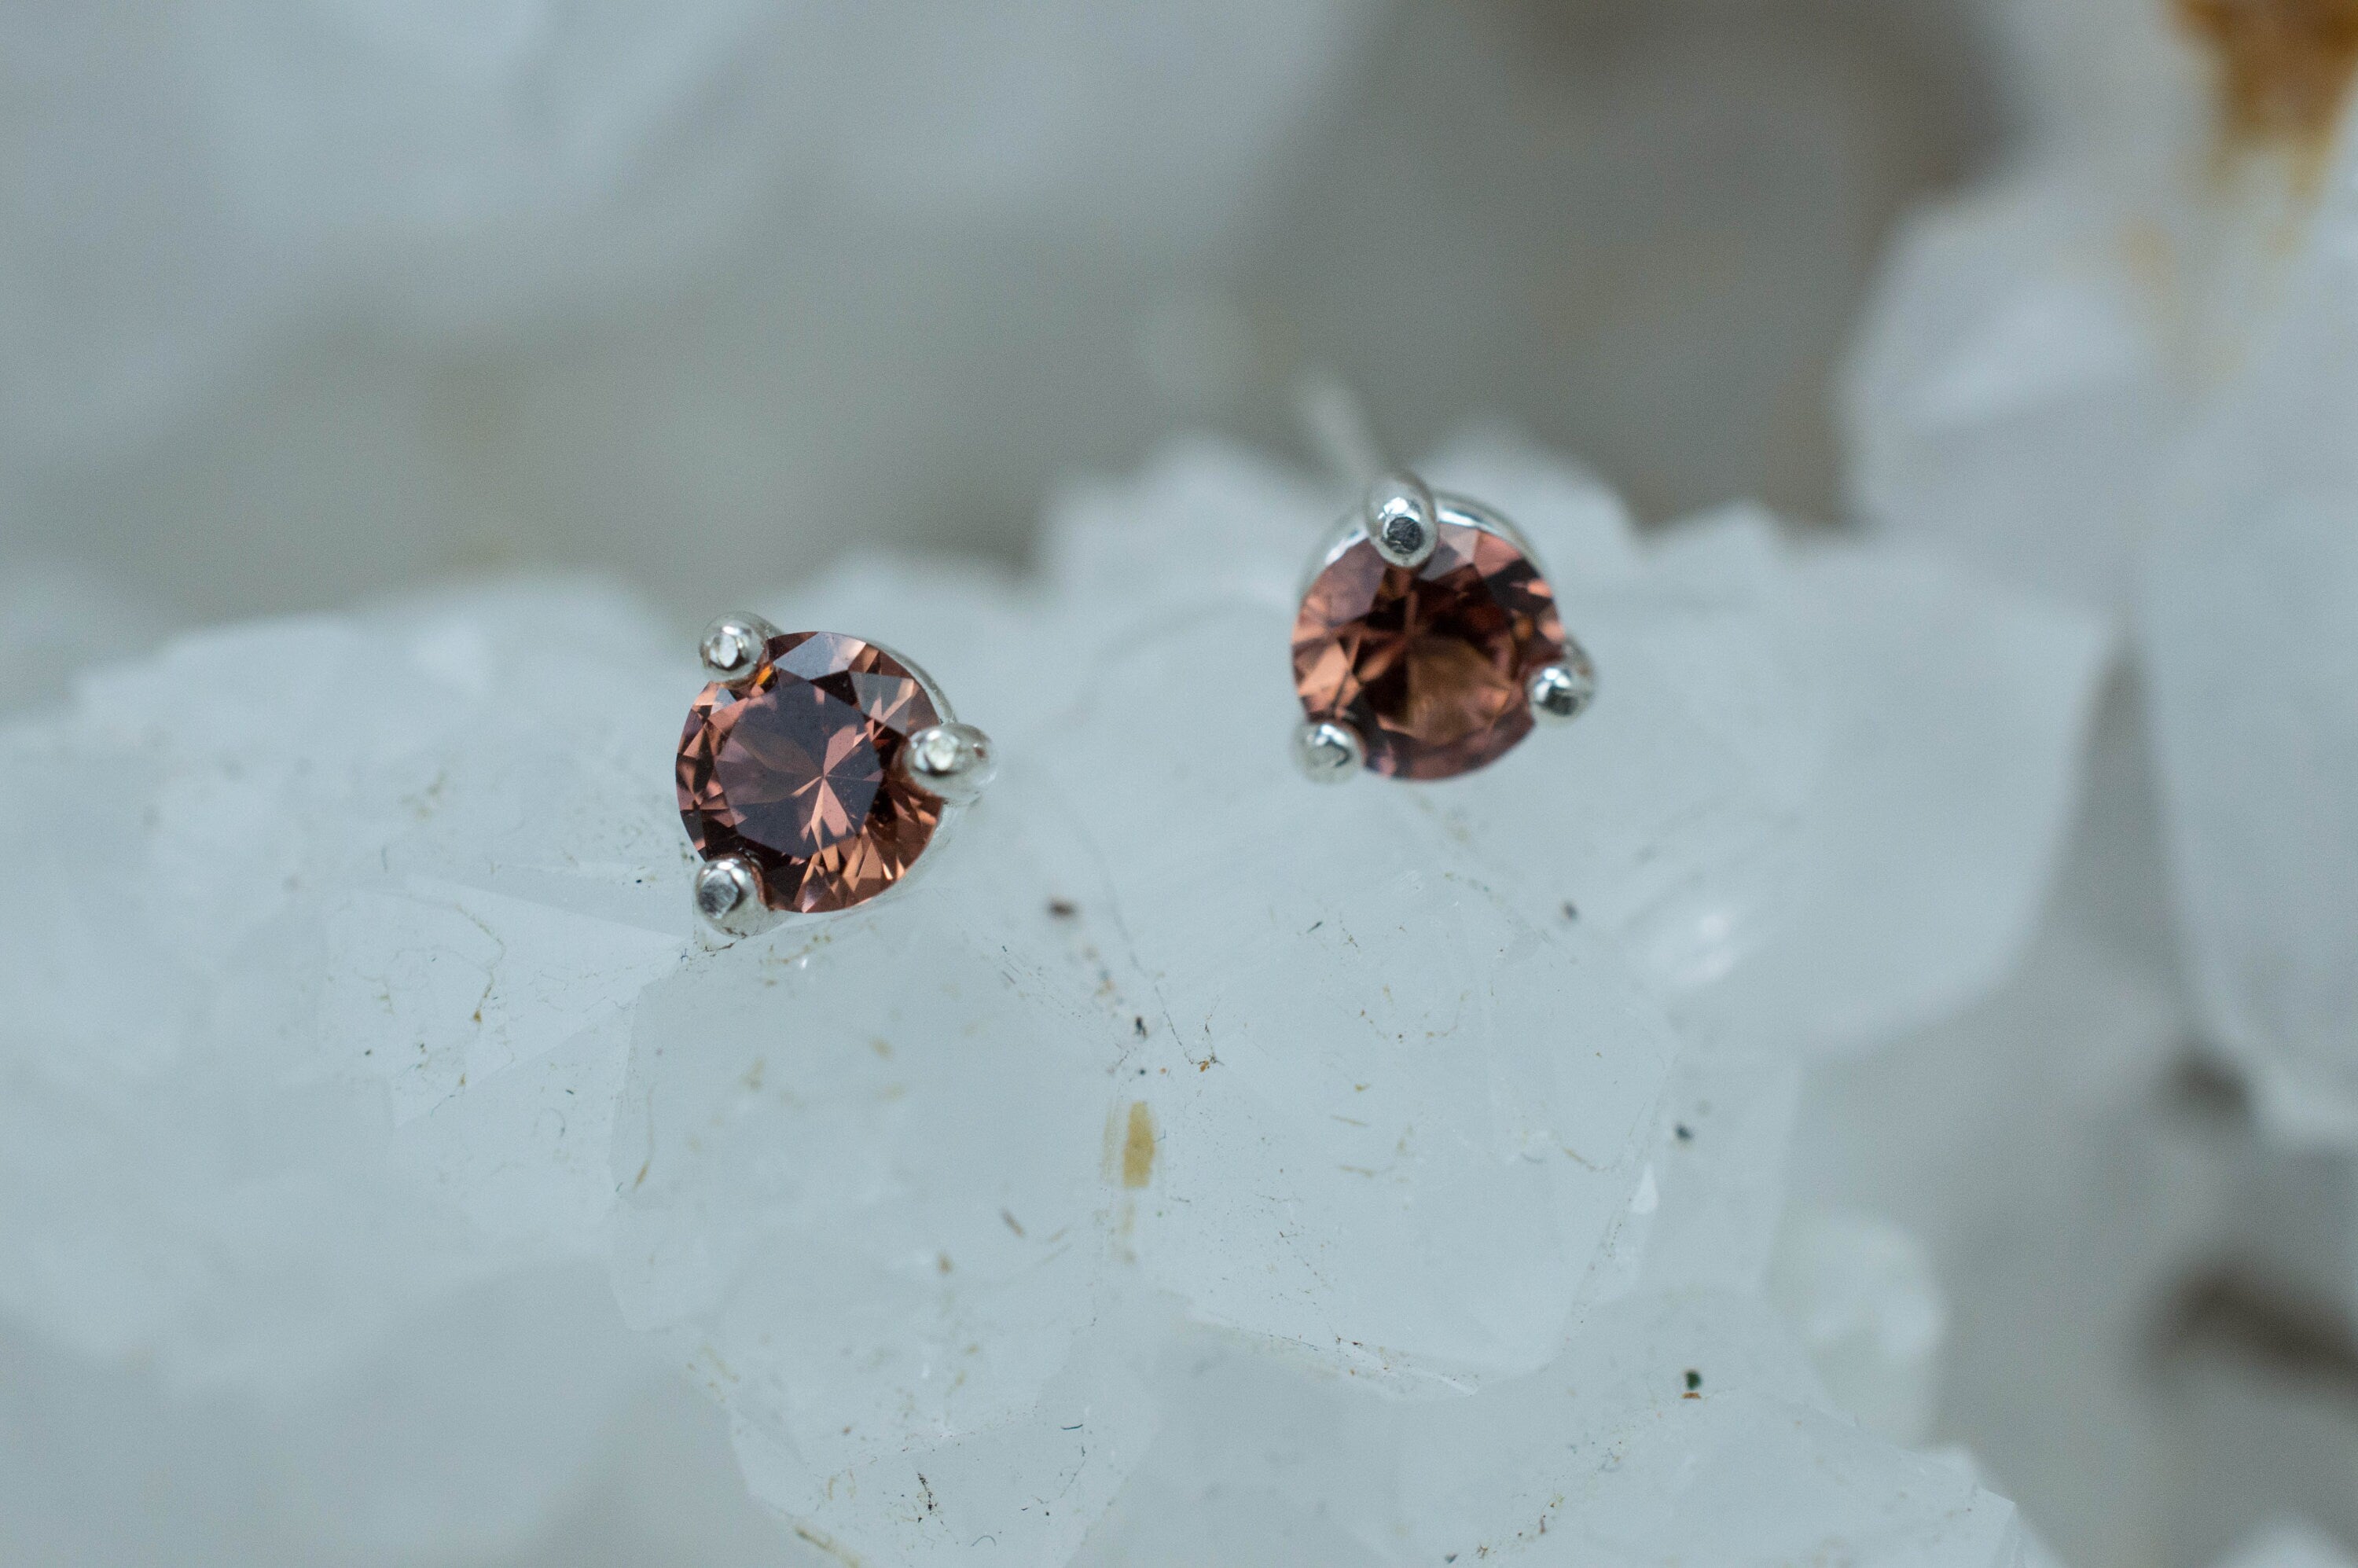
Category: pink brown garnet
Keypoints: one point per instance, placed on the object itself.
(793, 768)
(1427, 663)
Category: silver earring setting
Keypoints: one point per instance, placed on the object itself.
(1428, 642)
(814, 771)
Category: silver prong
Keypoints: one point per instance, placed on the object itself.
(732, 646)
(728, 897)
(1561, 693)
(1402, 520)
(952, 761)
(1328, 750)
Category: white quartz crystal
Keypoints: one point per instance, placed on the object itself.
(1861, 1295)
(1819, 794)
(2250, 636)
(188, 186)
(2040, 1147)
(306, 1090)
(1675, 1428)
(2037, 344)
(1714, 1189)
(2126, 367)
(463, 1434)
(868, 1173)
(302, 299)
(1186, 1159)
(1400, 1109)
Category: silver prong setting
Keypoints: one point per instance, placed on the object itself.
(728, 897)
(731, 647)
(1561, 693)
(1329, 751)
(1402, 520)
(952, 761)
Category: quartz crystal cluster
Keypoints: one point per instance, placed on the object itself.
(2123, 369)
(1195, 1166)
(1658, 1144)
(322, 249)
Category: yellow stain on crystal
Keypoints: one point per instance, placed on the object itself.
(2284, 66)
(1138, 1147)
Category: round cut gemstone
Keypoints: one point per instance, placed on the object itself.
(794, 771)
(1430, 665)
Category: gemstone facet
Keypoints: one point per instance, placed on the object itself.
(1430, 666)
(793, 768)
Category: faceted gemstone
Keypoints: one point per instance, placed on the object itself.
(794, 771)
(1429, 666)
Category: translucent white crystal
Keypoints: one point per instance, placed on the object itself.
(1820, 792)
(522, 1425)
(1716, 1175)
(205, 852)
(1362, 1198)
(2250, 631)
(2037, 346)
(460, 1435)
(1398, 1114)
(449, 165)
(2012, 387)
(2125, 367)
(2036, 1147)
(1165, 1063)
(1860, 1294)
(863, 1170)
(307, 299)
(1162, 1020)
(1675, 1428)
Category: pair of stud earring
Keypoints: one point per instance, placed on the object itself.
(816, 768)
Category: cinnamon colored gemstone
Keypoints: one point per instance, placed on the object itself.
(794, 771)
(1428, 665)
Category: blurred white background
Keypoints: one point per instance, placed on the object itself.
(312, 301)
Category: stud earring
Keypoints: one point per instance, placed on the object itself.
(814, 771)
(1428, 642)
